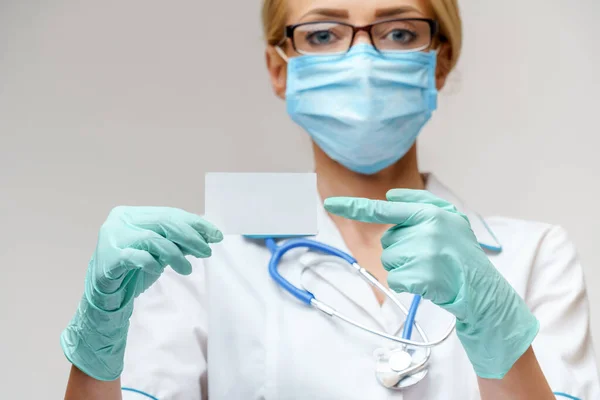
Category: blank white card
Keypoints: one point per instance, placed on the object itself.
(262, 204)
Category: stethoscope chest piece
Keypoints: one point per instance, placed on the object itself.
(396, 369)
(399, 360)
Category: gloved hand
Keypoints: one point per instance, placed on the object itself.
(135, 245)
(432, 251)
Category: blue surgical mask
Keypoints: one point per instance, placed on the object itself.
(364, 109)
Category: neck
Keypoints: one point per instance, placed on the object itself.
(334, 180)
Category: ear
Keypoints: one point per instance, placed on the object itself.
(277, 68)
(444, 64)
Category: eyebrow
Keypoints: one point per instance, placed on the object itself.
(327, 12)
(391, 12)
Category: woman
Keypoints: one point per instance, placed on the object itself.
(361, 79)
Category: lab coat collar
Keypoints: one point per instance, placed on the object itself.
(485, 236)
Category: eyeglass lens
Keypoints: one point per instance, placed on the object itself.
(332, 37)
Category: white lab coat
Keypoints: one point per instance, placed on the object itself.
(229, 331)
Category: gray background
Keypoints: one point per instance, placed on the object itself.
(131, 101)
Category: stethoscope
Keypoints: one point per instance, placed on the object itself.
(395, 369)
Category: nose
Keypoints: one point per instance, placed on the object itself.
(362, 36)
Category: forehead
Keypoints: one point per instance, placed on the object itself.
(355, 11)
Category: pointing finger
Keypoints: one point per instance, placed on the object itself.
(422, 197)
(419, 196)
(376, 211)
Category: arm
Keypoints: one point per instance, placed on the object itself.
(169, 363)
(135, 245)
(166, 354)
(432, 251)
(82, 386)
(557, 296)
(525, 380)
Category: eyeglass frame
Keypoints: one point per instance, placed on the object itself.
(434, 27)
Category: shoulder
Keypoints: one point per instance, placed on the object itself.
(510, 228)
(531, 249)
(529, 237)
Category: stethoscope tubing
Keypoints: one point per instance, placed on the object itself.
(309, 299)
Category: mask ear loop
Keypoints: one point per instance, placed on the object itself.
(281, 53)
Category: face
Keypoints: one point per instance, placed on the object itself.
(357, 13)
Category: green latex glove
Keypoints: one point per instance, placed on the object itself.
(432, 251)
(135, 245)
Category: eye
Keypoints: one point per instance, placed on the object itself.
(401, 36)
(320, 37)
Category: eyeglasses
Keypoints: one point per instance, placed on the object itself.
(397, 35)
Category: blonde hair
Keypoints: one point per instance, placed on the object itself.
(274, 16)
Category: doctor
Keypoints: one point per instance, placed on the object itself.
(207, 322)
